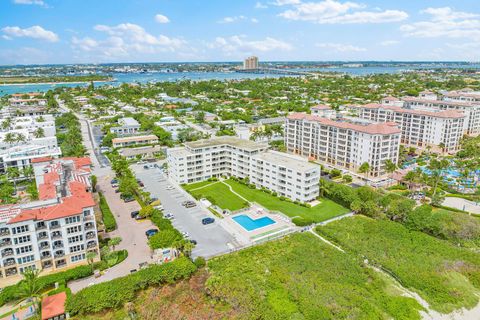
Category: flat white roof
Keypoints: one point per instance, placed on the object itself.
(286, 160)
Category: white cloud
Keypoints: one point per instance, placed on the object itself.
(126, 40)
(237, 45)
(339, 47)
(236, 19)
(36, 2)
(160, 18)
(35, 32)
(387, 43)
(445, 22)
(285, 2)
(336, 12)
(260, 5)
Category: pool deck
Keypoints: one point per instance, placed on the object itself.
(256, 212)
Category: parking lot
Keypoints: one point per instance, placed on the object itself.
(212, 239)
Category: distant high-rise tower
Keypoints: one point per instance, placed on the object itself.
(250, 63)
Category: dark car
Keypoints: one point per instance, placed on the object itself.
(114, 181)
(207, 221)
(193, 241)
(151, 232)
(117, 190)
(128, 199)
(140, 183)
(139, 217)
(190, 205)
(133, 214)
(145, 167)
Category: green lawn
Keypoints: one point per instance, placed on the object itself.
(301, 277)
(218, 194)
(446, 276)
(195, 185)
(325, 210)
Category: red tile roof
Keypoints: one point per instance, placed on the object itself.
(71, 205)
(321, 107)
(439, 102)
(42, 159)
(374, 128)
(53, 305)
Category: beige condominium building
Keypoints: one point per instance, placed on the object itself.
(54, 232)
(287, 175)
(134, 140)
(440, 130)
(343, 143)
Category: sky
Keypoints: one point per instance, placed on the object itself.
(100, 31)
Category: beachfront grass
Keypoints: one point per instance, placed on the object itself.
(218, 194)
(325, 210)
(446, 276)
(301, 277)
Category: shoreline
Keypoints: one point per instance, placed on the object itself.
(50, 83)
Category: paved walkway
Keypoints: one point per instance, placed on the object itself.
(462, 204)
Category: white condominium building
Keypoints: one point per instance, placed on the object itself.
(343, 143)
(23, 139)
(126, 126)
(54, 232)
(250, 63)
(470, 109)
(287, 175)
(466, 95)
(438, 129)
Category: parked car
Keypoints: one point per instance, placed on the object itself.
(139, 217)
(151, 232)
(169, 216)
(185, 234)
(170, 188)
(159, 207)
(128, 199)
(193, 241)
(208, 220)
(133, 214)
(145, 167)
(114, 185)
(114, 181)
(152, 200)
(190, 205)
(117, 190)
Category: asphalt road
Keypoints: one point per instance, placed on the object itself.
(212, 239)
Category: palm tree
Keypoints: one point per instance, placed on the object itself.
(9, 138)
(91, 258)
(390, 166)
(365, 169)
(6, 123)
(31, 287)
(114, 242)
(20, 137)
(13, 173)
(187, 248)
(28, 172)
(39, 133)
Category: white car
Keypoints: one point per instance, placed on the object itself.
(159, 207)
(185, 235)
(170, 188)
(169, 216)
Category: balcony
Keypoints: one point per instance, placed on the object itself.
(89, 226)
(4, 232)
(46, 256)
(59, 254)
(54, 226)
(91, 244)
(7, 253)
(11, 272)
(42, 236)
(9, 262)
(91, 235)
(58, 246)
(47, 264)
(61, 264)
(88, 218)
(56, 235)
(5, 243)
(41, 227)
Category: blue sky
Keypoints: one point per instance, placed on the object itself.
(95, 31)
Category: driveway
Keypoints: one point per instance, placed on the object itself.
(462, 204)
(212, 239)
(131, 231)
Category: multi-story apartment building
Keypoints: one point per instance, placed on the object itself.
(287, 175)
(343, 143)
(126, 126)
(441, 130)
(134, 140)
(466, 95)
(54, 232)
(23, 139)
(250, 63)
(469, 108)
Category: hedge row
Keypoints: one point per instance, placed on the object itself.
(10, 293)
(301, 221)
(167, 234)
(114, 294)
(108, 218)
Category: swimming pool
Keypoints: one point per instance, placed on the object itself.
(249, 224)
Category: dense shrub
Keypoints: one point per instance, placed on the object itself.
(200, 262)
(113, 294)
(165, 238)
(108, 218)
(301, 221)
(9, 294)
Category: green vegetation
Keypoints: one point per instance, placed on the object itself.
(300, 277)
(219, 194)
(325, 210)
(107, 215)
(53, 79)
(69, 135)
(447, 277)
(113, 294)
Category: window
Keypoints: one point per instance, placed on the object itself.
(75, 239)
(74, 229)
(20, 229)
(23, 250)
(78, 257)
(26, 259)
(71, 220)
(22, 239)
(77, 248)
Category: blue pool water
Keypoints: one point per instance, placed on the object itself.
(249, 224)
